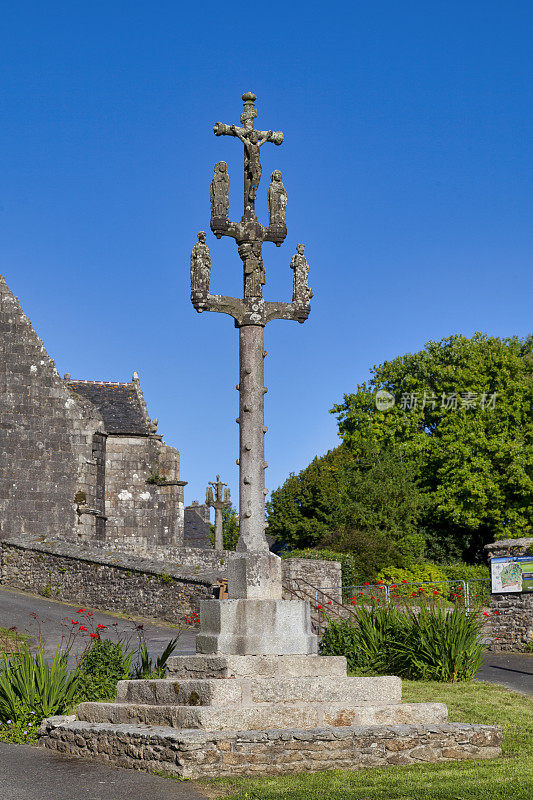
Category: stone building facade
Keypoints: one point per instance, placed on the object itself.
(79, 460)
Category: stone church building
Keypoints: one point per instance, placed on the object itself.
(79, 460)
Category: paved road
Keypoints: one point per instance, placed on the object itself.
(16, 608)
(514, 670)
(32, 773)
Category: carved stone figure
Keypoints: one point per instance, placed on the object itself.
(301, 293)
(252, 140)
(200, 268)
(277, 201)
(254, 268)
(220, 192)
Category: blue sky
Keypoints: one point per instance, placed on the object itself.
(407, 160)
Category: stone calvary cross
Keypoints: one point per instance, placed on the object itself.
(254, 574)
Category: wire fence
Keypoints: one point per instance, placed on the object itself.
(473, 594)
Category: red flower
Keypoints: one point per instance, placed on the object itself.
(101, 627)
(404, 581)
(95, 635)
(352, 602)
(81, 628)
(393, 586)
(75, 622)
(485, 614)
(90, 613)
(329, 602)
(319, 608)
(495, 612)
(81, 610)
(413, 594)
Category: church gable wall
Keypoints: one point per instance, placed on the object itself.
(48, 472)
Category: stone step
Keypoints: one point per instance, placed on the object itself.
(248, 691)
(229, 666)
(260, 717)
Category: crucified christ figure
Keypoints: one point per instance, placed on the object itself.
(252, 141)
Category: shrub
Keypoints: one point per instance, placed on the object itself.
(439, 646)
(428, 645)
(145, 668)
(100, 669)
(365, 640)
(31, 687)
(416, 574)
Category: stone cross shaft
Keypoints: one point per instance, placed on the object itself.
(252, 312)
(220, 500)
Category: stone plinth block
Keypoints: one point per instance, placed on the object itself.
(254, 576)
(254, 690)
(263, 716)
(229, 666)
(255, 627)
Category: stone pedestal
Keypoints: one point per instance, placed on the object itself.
(255, 627)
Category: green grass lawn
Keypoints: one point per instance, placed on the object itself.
(506, 778)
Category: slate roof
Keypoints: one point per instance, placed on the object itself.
(119, 404)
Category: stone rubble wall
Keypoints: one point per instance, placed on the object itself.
(198, 754)
(320, 574)
(117, 581)
(511, 627)
(114, 582)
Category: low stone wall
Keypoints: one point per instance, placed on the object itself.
(116, 582)
(320, 574)
(510, 621)
(196, 754)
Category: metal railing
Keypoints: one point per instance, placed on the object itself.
(363, 593)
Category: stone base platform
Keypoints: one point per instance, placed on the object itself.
(195, 754)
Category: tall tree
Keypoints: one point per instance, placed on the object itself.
(463, 416)
(351, 500)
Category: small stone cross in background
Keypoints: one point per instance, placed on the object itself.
(219, 501)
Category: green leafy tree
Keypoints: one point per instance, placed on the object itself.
(365, 502)
(230, 529)
(463, 420)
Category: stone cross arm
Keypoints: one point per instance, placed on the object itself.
(251, 312)
(221, 129)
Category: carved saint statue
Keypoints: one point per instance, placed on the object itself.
(200, 267)
(301, 293)
(277, 201)
(220, 192)
(254, 268)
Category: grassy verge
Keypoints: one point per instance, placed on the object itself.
(11, 640)
(509, 777)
